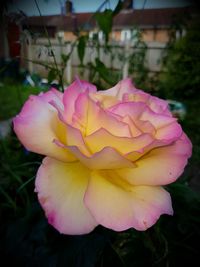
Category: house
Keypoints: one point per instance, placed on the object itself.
(155, 26)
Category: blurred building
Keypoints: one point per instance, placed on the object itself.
(155, 24)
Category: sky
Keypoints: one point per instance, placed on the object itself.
(52, 7)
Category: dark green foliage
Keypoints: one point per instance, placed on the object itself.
(137, 69)
(104, 21)
(182, 64)
(12, 96)
(52, 74)
(82, 41)
(105, 73)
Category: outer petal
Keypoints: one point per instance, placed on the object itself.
(121, 206)
(166, 126)
(156, 104)
(160, 166)
(157, 120)
(159, 105)
(38, 125)
(52, 94)
(61, 188)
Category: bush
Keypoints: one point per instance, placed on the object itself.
(182, 64)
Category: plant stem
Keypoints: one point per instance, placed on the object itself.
(50, 45)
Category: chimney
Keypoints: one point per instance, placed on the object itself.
(68, 6)
(127, 4)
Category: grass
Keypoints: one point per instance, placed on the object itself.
(12, 97)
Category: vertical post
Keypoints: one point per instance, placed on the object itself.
(68, 69)
(30, 55)
(126, 52)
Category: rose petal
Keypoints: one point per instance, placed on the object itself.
(37, 125)
(159, 106)
(137, 96)
(75, 138)
(157, 120)
(120, 206)
(121, 88)
(105, 101)
(132, 109)
(52, 94)
(160, 166)
(89, 117)
(107, 158)
(102, 138)
(135, 130)
(170, 132)
(71, 94)
(61, 188)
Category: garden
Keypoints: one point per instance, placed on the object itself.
(30, 235)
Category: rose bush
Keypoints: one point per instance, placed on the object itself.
(108, 155)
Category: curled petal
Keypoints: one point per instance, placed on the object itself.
(137, 96)
(121, 88)
(71, 94)
(61, 188)
(102, 138)
(107, 158)
(75, 138)
(160, 166)
(134, 129)
(89, 117)
(105, 101)
(159, 106)
(132, 109)
(171, 132)
(120, 206)
(157, 120)
(38, 125)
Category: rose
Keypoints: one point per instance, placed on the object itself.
(108, 155)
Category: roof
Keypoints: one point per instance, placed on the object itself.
(146, 18)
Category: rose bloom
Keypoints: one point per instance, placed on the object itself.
(108, 154)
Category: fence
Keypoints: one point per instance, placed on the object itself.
(117, 59)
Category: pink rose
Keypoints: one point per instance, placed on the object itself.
(108, 154)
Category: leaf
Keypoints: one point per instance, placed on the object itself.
(65, 58)
(81, 48)
(105, 73)
(52, 74)
(104, 21)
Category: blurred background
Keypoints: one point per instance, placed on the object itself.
(45, 43)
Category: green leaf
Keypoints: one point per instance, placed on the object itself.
(104, 21)
(65, 58)
(105, 73)
(81, 48)
(52, 74)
